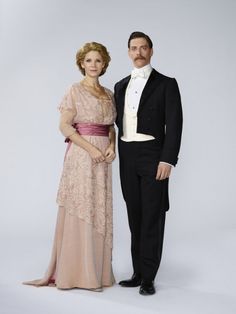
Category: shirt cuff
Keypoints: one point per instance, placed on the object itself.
(163, 162)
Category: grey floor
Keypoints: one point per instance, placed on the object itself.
(197, 275)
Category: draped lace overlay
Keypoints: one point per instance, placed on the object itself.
(85, 188)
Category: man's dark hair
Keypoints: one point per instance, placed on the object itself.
(140, 35)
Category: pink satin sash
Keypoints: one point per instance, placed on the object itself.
(92, 129)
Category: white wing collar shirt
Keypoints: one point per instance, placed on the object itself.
(139, 77)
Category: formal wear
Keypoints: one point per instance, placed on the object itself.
(149, 119)
(82, 250)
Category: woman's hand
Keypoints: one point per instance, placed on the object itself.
(96, 155)
(110, 154)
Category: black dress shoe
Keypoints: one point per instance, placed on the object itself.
(135, 281)
(147, 288)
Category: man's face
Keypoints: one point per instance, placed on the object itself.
(139, 52)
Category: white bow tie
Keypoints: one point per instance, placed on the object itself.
(138, 73)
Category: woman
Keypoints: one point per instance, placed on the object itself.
(82, 249)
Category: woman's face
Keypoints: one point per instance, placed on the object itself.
(92, 64)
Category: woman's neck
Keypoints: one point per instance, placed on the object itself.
(91, 82)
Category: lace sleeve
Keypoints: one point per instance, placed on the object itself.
(111, 94)
(66, 121)
(68, 112)
(68, 101)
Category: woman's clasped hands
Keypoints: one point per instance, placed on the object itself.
(97, 156)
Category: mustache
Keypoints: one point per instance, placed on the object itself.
(140, 58)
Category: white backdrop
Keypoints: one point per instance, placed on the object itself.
(194, 41)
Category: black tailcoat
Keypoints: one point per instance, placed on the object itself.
(159, 113)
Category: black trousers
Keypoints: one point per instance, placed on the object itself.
(147, 201)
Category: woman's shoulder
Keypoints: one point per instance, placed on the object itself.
(108, 91)
(74, 88)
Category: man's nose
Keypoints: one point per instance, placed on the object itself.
(139, 51)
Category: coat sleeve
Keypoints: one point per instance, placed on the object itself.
(173, 123)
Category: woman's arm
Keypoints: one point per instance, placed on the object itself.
(110, 151)
(68, 131)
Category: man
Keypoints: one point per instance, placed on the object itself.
(149, 119)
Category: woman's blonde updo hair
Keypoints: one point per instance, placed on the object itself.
(93, 46)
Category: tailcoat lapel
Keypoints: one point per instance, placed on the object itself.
(153, 81)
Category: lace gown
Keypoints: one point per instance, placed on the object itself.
(82, 250)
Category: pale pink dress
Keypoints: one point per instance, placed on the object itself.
(82, 250)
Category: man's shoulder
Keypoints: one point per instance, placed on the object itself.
(122, 81)
(161, 75)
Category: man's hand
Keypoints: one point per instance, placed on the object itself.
(163, 171)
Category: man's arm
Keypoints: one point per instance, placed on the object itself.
(173, 123)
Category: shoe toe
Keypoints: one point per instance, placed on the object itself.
(147, 289)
